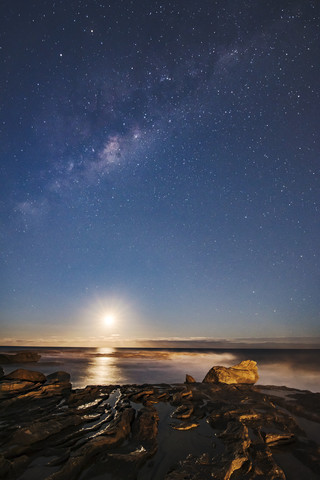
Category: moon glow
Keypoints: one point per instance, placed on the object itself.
(109, 320)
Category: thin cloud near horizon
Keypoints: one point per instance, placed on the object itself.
(173, 342)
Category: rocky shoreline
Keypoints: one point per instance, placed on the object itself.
(232, 430)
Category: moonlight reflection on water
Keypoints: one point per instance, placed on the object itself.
(96, 366)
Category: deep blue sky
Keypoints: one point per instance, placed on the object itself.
(159, 162)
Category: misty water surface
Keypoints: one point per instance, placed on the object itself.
(91, 366)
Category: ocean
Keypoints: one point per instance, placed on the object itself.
(96, 366)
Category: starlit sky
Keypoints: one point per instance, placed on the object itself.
(159, 171)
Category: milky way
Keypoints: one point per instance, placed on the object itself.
(163, 154)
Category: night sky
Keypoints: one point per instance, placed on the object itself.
(160, 164)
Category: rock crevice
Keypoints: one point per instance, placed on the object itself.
(202, 430)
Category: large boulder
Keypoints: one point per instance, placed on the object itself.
(26, 375)
(244, 372)
(19, 357)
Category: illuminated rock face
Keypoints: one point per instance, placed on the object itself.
(244, 372)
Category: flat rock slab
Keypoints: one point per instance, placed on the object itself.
(172, 432)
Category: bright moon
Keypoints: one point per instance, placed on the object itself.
(109, 320)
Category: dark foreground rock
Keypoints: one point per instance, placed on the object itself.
(193, 431)
(19, 357)
(23, 384)
(245, 372)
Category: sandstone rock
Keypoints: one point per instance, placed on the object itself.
(244, 372)
(179, 397)
(84, 396)
(11, 387)
(264, 465)
(273, 439)
(183, 411)
(19, 357)
(163, 397)
(38, 390)
(146, 425)
(39, 431)
(189, 379)
(55, 389)
(185, 426)
(27, 375)
(143, 393)
(86, 454)
(109, 430)
(58, 377)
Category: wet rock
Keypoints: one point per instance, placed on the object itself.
(122, 402)
(146, 392)
(1, 372)
(19, 357)
(136, 456)
(183, 411)
(11, 387)
(190, 379)
(273, 439)
(183, 426)
(237, 441)
(179, 397)
(263, 464)
(39, 431)
(251, 460)
(87, 434)
(245, 372)
(225, 413)
(163, 396)
(305, 404)
(83, 396)
(84, 456)
(145, 427)
(27, 375)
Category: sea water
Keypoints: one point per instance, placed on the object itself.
(97, 366)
